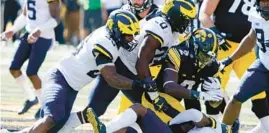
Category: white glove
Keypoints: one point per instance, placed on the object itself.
(211, 83)
(213, 95)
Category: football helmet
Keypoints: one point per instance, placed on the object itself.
(264, 10)
(179, 13)
(205, 43)
(121, 23)
(136, 9)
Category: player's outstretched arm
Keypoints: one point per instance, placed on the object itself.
(116, 80)
(246, 45)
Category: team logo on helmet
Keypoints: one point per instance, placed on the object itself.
(121, 23)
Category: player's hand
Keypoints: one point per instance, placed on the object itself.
(33, 36)
(224, 63)
(7, 35)
(160, 104)
(211, 83)
(149, 85)
(223, 44)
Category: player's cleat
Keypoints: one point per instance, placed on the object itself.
(39, 114)
(225, 128)
(27, 105)
(236, 126)
(97, 125)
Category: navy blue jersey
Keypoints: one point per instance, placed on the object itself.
(189, 73)
(231, 17)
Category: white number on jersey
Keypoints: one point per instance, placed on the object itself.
(188, 84)
(247, 5)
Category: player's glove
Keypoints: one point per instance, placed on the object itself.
(224, 63)
(160, 104)
(149, 85)
(223, 44)
(211, 84)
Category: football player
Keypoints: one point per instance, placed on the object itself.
(256, 79)
(149, 122)
(188, 64)
(127, 61)
(231, 25)
(94, 58)
(160, 33)
(39, 18)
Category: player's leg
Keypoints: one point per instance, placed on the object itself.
(38, 53)
(21, 55)
(58, 100)
(259, 103)
(100, 96)
(255, 77)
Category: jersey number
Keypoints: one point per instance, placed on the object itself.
(188, 84)
(93, 73)
(163, 25)
(159, 57)
(31, 10)
(260, 38)
(247, 4)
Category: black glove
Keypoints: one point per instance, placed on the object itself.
(149, 85)
(224, 63)
(223, 44)
(160, 104)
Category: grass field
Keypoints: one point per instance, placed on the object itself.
(12, 96)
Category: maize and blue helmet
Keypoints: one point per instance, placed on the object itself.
(263, 9)
(121, 23)
(136, 9)
(206, 45)
(179, 13)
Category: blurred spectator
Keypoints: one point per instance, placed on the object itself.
(59, 33)
(94, 13)
(111, 5)
(71, 21)
(11, 10)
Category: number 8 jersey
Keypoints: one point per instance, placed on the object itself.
(38, 13)
(94, 52)
(261, 28)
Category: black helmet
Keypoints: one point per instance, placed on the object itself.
(205, 41)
